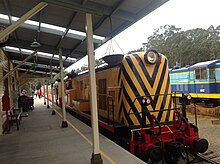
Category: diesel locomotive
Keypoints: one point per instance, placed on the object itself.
(201, 80)
(136, 105)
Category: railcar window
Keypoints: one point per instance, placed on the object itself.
(102, 91)
(201, 73)
(212, 73)
(204, 73)
(197, 71)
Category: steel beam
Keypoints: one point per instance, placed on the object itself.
(10, 18)
(25, 17)
(51, 31)
(93, 8)
(99, 23)
(4, 77)
(48, 106)
(52, 96)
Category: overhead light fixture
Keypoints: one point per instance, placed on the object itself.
(35, 44)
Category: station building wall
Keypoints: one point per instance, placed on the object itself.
(4, 67)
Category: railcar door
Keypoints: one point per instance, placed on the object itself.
(192, 82)
(201, 82)
(212, 80)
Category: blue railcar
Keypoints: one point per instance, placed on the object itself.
(201, 80)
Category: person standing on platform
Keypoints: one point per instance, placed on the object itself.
(39, 93)
(6, 107)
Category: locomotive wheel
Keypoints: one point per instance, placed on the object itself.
(155, 154)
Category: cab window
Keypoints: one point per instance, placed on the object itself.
(201, 73)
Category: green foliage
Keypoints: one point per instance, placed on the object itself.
(99, 62)
(186, 47)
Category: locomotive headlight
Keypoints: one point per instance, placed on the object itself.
(189, 97)
(151, 56)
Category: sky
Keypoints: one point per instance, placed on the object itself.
(184, 14)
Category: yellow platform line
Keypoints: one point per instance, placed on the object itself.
(90, 142)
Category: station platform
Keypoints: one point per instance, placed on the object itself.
(41, 140)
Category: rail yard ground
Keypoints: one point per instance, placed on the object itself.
(208, 130)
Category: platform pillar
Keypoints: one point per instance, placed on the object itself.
(64, 122)
(96, 159)
(44, 92)
(47, 81)
(10, 83)
(52, 96)
(96, 156)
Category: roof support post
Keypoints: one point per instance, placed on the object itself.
(25, 17)
(64, 122)
(96, 156)
(15, 68)
(47, 81)
(1, 94)
(44, 82)
(10, 82)
(51, 84)
(15, 80)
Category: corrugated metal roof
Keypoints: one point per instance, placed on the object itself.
(66, 15)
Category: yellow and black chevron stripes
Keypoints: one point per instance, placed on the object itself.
(137, 78)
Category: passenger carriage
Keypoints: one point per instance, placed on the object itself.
(201, 80)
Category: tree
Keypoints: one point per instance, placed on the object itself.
(98, 62)
(186, 47)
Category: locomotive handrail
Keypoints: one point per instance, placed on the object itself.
(185, 121)
(158, 124)
(147, 112)
(166, 109)
(141, 97)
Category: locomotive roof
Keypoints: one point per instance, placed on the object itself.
(98, 69)
(208, 64)
(204, 64)
(183, 69)
(217, 65)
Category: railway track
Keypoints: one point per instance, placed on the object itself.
(208, 157)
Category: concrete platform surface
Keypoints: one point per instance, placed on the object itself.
(41, 140)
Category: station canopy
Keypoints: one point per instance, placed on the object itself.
(61, 24)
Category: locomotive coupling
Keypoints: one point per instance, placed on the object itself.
(200, 144)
